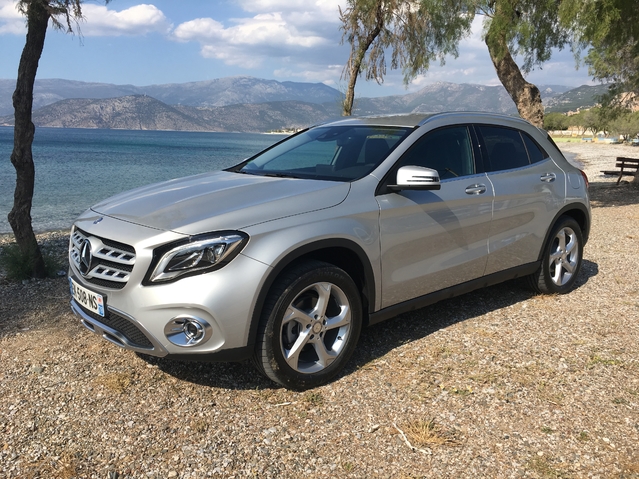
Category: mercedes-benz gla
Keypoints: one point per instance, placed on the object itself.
(284, 257)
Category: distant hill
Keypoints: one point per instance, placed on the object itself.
(141, 112)
(240, 90)
(134, 112)
(581, 97)
(261, 117)
(440, 97)
(251, 104)
(47, 92)
(219, 92)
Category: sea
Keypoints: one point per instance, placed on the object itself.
(76, 168)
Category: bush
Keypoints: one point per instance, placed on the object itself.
(17, 266)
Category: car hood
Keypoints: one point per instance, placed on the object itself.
(220, 201)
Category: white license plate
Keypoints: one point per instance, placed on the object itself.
(92, 301)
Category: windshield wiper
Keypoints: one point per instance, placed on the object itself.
(269, 174)
(280, 175)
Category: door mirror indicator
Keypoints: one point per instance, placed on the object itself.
(416, 178)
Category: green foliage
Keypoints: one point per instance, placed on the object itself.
(577, 122)
(18, 266)
(417, 32)
(596, 120)
(609, 30)
(625, 123)
(609, 121)
(555, 122)
(61, 12)
(531, 28)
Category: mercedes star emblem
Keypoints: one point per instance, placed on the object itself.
(85, 258)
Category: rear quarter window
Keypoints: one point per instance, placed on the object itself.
(535, 152)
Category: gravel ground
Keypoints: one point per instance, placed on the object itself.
(497, 383)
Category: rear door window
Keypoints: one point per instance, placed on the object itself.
(504, 148)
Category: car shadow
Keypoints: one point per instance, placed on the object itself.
(379, 339)
(375, 341)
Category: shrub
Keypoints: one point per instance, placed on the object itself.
(17, 266)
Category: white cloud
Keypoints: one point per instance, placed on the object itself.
(98, 20)
(326, 10)
(301, 38)
(136, 20)
(294, 33)
(11, 21)
(266, 30)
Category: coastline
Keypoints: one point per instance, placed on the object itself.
(592, 158)
(43, 237)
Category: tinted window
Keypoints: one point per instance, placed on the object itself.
(535, 152)
(504, 147)
(448, 150)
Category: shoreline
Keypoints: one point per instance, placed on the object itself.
(590, 157)
(43, 237)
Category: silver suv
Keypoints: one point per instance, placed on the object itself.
(283, 258)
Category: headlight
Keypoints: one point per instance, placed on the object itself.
(200, 254)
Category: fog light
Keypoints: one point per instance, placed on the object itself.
(187, 331)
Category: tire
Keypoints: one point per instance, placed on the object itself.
(561, 259)
(302, 341)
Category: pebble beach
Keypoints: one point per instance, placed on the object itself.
(499, 383)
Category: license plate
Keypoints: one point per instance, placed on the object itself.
(92, 301)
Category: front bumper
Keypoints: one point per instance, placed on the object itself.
(140, 318)
(124, 333)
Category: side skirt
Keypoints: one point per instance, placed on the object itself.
(458, 290)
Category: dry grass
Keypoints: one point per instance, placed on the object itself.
(64, 466)
(422, 433)
(116, 382)
(546, 470)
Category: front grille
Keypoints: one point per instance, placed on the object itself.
(110, 263)
(121, 325)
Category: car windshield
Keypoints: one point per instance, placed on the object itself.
(338, 153)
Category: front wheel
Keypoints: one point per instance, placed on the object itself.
(310, 325)
(561, 259)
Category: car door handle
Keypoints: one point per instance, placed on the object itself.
(548, 177)
(475, 189)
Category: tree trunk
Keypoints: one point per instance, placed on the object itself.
(353, 73)
(525, 95)
(24, 130)
(355, 64)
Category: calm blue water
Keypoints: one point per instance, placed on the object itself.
(75, 168)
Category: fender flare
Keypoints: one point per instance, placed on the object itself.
(368, 278)
(571, 207)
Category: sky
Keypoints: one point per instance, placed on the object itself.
(177, 41)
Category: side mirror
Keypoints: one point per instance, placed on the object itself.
(416, 178)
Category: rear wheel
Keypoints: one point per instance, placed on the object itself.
(310, 325)
(561, 259)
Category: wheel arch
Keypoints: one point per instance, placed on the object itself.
(342, 253)
(576, 211)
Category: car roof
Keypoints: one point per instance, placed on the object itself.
(418, 119)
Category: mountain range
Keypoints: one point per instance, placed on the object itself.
(252, 104)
